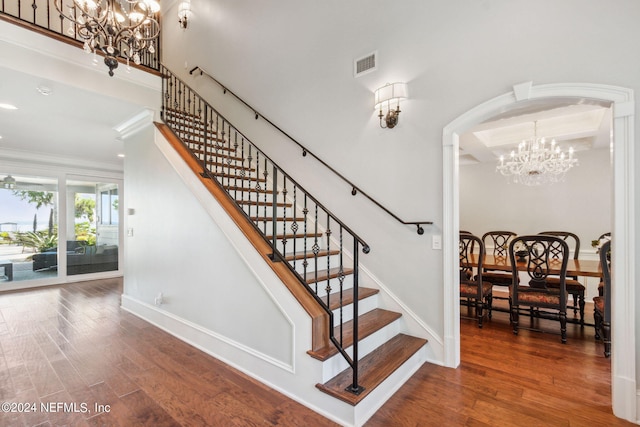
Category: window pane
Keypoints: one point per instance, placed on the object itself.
(28, 227)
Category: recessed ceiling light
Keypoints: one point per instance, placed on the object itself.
(120, 155)
(44, 90)
(8, 107)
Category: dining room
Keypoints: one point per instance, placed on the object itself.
(578, 200)
(515, 176)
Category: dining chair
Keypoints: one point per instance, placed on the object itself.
(601, 284)
(473, 287)
(499, 242)
(544, 253)
(574, 287)
(602, 303)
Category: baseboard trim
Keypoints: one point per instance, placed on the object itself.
(193, 334)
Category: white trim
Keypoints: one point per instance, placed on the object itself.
(623, 357)
(193, 333)
(135, 124)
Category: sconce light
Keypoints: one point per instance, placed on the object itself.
(9, 182)
(184, 13)
(387, 95)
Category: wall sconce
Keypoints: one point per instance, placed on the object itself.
(9, 182)
(387, 95)
(184, 13)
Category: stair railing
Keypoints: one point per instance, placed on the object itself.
(354, 188)
(312, 241)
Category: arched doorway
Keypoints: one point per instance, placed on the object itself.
(623, 300)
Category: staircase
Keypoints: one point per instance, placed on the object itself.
(359, 343)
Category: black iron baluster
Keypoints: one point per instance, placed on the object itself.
(341, 283)
(305, 212)
(203, 146)
(354, 387)
(237, 168)
(250, 189)
(294, 224)
(315, 248)
(258, 188)
(284, 216)
(328, 248)
(274, 212)
(265, 173)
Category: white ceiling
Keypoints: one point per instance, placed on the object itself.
(579, 123)
(69, 122)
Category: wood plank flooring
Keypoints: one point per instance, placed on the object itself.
(73, 345)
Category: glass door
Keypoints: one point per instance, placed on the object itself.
(92, 226)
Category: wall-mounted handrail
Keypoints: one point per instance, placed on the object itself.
(354, 188)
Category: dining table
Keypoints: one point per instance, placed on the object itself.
(575, 267)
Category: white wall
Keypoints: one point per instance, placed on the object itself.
(175, 248)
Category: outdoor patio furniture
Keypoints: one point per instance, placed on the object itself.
(8, 269)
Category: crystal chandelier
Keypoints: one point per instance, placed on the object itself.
(116, 28)
(536, 162)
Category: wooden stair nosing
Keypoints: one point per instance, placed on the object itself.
(212, 151)
(368, 323)
(181, 113)
(294, 236)
(322, 275)
(374, 368)
(230, 188)
(347, 296)
(291, 256)
(278, 219)
(262, 203)
(237, 177)
(228, 166)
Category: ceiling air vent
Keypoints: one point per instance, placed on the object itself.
(364, 65)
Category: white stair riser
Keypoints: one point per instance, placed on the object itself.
(364, 306)
(336, 364)
(321, 262)
(334, 284)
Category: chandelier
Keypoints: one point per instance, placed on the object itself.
(536, 162)
(116, 28)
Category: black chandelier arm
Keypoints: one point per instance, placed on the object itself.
(100, 22)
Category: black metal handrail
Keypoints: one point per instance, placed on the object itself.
(301, 232)
(354, 188)
(42, 16)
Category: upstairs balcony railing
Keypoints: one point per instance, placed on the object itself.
(41, 16)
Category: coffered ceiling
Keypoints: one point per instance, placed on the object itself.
(579, 123)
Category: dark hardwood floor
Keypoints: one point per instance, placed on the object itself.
(70, 346)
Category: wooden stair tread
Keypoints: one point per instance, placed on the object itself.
(237, 177)
(291, 256)
(368, 323)
(246, 189)
(294, 236)
(321, 275)
(289, 219)
(262, 203)
(374, 368)
(347, 296)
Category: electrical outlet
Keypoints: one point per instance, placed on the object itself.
(159, 299)
(436, 242)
